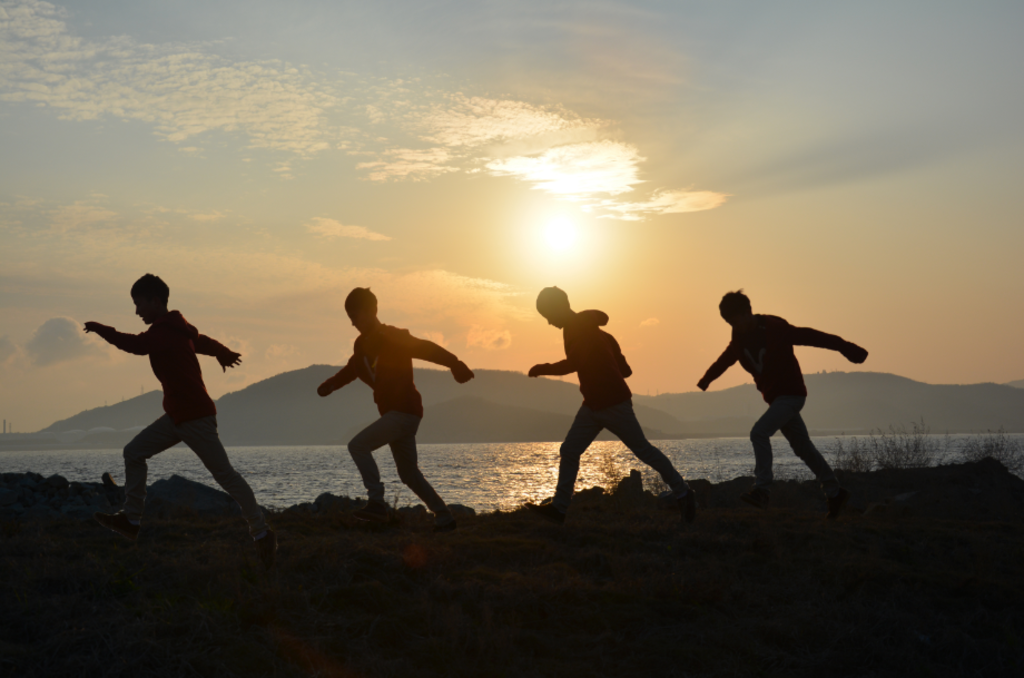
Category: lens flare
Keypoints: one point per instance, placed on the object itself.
(560, 234)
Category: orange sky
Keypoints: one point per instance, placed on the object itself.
(854, 169)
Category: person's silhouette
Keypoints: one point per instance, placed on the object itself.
(191, 417)
(763, 345)
(597, 360)
(382, 358)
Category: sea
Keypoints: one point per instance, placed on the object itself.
(483, 476)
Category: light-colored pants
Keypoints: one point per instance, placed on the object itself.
(620, 420)
(201, 436)
(784, 415)
(397, 430)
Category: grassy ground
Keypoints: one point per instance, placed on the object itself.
(620, 590)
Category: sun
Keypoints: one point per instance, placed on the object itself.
(560, 234)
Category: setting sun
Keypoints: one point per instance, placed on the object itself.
(560, 234)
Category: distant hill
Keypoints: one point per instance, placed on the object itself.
(501, 406)
(1016, 384)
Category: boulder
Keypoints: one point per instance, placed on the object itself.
(8, 497)
(460, 510)
(57, 482)
(329, 503)
(176, 496)
(413, 511)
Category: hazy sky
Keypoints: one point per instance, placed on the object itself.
(855, 167)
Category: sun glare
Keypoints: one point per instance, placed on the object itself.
(560, 234)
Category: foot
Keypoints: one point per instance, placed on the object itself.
(266, 548)
(118, 522)
(374, 512)
(756, 497)
(548, 512)
(837, 503)
(445, 527)
(688, 506)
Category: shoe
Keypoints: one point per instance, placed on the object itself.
(688, 506)
(266, 548)
(837, 503)
(118, 522)
(548, 512)
(374, 512)
(757, 497)
(445, 527)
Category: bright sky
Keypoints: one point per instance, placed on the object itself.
(855, 167)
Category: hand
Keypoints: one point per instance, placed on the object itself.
(229, 359)
(462, 373)
(854, 353)
(703, 384)
(325, 389)
(536, 370)
(92, 327)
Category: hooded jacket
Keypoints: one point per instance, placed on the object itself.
(172, 344)
(382, 360)
(597, 360)
(766, 352)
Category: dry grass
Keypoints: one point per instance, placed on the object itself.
(621, 589)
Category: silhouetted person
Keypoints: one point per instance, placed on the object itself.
(191, 417)
(382, 358)
(597, 360)
(763, 345)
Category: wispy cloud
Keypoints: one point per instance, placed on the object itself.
(59, 340)
(662, 202)
(577, 170)
(650, 322)
(409, 163)
(329, 228)
(490, 339)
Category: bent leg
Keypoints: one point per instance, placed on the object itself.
(800, 440)
(385, 430)
(584, 429)
(621, 420)
(406, 461)
(152, 440)
(781, 410)
(201, 435)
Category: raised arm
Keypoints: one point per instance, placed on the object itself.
(728, 358)
(805, 336)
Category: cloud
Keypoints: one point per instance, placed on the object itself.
(650, 322)
(59, 340)
(576, 170)
(7, 349)
(409, 163)
(278, 351)
(80, 214)
(180, 89)
(329, 229)
(436, 337)
(216, 215)
(662, 202)
(491, 340)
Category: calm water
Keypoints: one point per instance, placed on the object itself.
(485, 476)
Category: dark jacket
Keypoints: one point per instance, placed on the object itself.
(172, 344)
(766, 352)
(383, 361)
(597, 360)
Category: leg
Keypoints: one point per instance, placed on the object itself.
(404, 451)
(779, 412)
(152, 440)
(584, 429)
(796, 433)
(621, 420)
(385, 430)
(201, 435)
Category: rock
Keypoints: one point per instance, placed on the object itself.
(57, 482)
(39, 511)
(8, 497)
(460, 510)
(176, 496)
(16, 508)
(413, 511)
(329, 503)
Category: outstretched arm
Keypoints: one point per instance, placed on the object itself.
(805, 336)
(136, 344)
(718, 368)
(224, 355)
(346, 375)
(431, 352)
(559, 369)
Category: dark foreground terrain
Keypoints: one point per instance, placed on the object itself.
(923, 577)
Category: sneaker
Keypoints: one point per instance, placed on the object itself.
(688, 506)
(374, 512)
(548, 512)
(837, 503)
(445, 527)
(757, 497)
(118, 522)
(266, 548)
